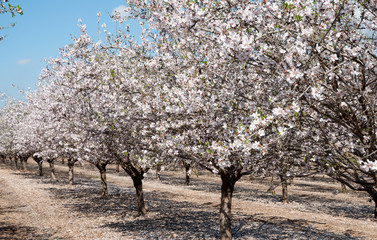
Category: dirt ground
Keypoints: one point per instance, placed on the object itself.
(33, 207)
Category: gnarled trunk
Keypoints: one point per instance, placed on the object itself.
(102, 170)
(228, 181)
(39, 162)
(71, 164)
(158, 172)
(373, 194)
(21, 166)
(52, 168)
(40, 169)
(15, 162)
(187, 171)
(343, 188)
(117, 167)
(24, 163)
(138, 184)
(137, 178)
(284, 187)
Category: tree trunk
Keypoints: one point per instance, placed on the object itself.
(102, 170)
(40, 169)
(16, 162)
(71, 164)
(24, 164)
(117, 167)
(373, 194)
(227, 188)
(138, 184)
(137, 177)
(52, 168)
(284, 186)
(187, 170)
(21, 159)
(158, 172)
(343, 188)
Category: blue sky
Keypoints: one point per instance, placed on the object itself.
(46, 26)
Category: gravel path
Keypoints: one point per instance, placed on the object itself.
(34, 207)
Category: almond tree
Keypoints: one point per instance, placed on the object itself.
(12, 116)
(66, 105)
(103, 105)
(327, 51)
(292, 159)
(219, 104)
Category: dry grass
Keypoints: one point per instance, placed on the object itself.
(34, 207)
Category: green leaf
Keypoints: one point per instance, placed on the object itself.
(112, 72)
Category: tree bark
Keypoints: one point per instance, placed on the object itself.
(16, 162)
(138, 184)
(102, 170)
(284, 186)
(24, 164)
(137, 177)
(187, 169)
(52, 168)
(71, 164)
(158, 172)
(373, 194)
(21, 166)
(39, 161)
(40, 169)
(227, 187)
(117, 167)
(343, 188)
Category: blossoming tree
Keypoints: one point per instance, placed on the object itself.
(327, 51)
(104, 105)
(220, 104)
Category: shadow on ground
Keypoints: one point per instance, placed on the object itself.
(171, 219)
(260, 227)
(324, 204)
(8, 232)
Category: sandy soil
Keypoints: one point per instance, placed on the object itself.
(33, 207)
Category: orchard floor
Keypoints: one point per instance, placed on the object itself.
(33, 207)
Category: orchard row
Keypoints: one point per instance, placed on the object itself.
(236, 87)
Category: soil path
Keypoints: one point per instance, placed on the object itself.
(38, 208)
(272, 213)
(28, 211)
